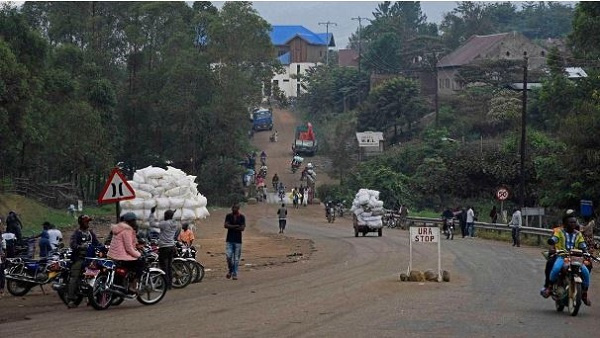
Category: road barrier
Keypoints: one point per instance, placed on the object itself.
(541, 234)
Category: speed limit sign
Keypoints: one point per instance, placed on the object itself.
(502, 194)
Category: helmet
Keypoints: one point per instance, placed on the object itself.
(83, 219)
(129, 216)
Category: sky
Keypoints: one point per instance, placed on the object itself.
(310, 13)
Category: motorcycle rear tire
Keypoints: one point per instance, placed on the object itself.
(575, 302)
(152, 282)
(18, 288)
(116, 301)
(100, 298)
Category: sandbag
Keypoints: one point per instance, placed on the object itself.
(149, 203)
(177, 191)
(176, 203)
(145, 187)
(154, 172)
(137, 203)
(142, 194)
(202, 213)
(192, 203)
(174, 171)
(133, 184)
(162, 203)
(138, 177)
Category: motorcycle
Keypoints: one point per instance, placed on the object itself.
(110, 282)
(339, 209)
(567, 291)
(330, 214)
(188, 252)
(180, 271)
(449, 228)
(23, 274)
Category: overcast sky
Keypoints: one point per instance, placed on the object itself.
(310, 13)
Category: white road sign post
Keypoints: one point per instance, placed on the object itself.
(502, 195)
(425, 234)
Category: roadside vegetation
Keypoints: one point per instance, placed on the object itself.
(464, 153)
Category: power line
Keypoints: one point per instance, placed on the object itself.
(326, 24)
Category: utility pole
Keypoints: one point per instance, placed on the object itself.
(359, 19)
(326, 24)
(523, 132)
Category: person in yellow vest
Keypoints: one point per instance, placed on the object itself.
(567, 238)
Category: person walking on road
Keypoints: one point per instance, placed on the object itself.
(516, 223)
(471, 222)
(235, 223)
(166, 242)
(282, 213)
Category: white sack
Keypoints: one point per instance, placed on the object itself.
(175, 203)
(138, 177)
(142, 194)
(162, 203)
(177, 191)
(154, 172)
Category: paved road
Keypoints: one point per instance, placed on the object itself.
(349, 288)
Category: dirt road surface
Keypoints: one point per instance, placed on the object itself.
(320, 281)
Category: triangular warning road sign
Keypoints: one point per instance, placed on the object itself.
(116, 189)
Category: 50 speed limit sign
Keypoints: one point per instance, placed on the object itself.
(502, 194)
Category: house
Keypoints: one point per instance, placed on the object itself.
(298, 49)
(370, 143)
(511, 46)
(348, 58)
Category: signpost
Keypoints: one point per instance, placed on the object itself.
(116, 189)
(501, 195)
(426, 234)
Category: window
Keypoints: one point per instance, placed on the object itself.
(297, 69)
(543, 53)
(286, 80)
(507, 53)
(298, 89)
(447, 83)
(441, 83)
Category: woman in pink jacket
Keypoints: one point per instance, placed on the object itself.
(123, 247)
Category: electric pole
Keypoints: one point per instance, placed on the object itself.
(359, 19)
(523, 133)
(326, 24)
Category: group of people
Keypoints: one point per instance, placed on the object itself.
(124, 244)
(466, 218)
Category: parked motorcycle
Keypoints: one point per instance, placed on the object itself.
(180, 270)
(189, 254)
(567, 291)
(22, 274)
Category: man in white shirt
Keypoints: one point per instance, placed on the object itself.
(55, 237)
(471, 222)
(516, 223)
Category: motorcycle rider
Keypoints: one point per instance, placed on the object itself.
(447, 216)
(567, 238)
(328, 205)
(123, 247)
(81, 239)
(263, 158)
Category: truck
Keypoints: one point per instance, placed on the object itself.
(364, 228)
(305, 141)
(262, 119)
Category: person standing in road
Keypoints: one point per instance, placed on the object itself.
(81, 239)
(235, 223)
(471, 222)
(166, 242)
(516, 223)
(14, 225)
(282, 213)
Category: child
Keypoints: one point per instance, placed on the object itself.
(186, 235)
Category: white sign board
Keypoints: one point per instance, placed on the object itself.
(425, 234)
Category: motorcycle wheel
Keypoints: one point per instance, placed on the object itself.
(18, 288)
(181, 274)
(575, 300)
(100, 298)
(193, 270)
(153, 288)
(200, 275)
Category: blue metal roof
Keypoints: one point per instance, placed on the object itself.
(281, 35)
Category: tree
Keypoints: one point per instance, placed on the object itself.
(585, 38)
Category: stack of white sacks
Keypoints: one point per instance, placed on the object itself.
(368, 208)
(311, 175)
(169, 189)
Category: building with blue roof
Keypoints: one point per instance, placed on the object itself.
(298, 49)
